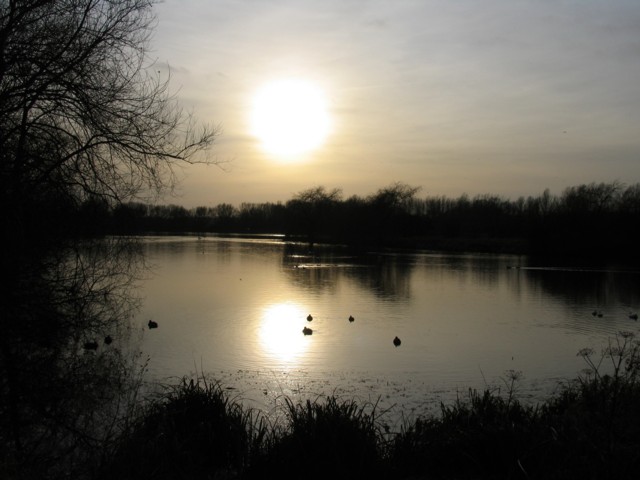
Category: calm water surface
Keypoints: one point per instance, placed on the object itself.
(235, 308)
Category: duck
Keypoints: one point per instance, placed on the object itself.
(93, 345)
(351, 319)
(108, 340)
(309, 318)
(396, 342)
(307, 331)
(152, 324)
(633, 316)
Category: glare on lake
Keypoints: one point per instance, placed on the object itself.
(234, 308)
(278, 334)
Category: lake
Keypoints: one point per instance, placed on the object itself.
(234, 308)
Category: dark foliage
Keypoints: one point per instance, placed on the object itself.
(590, 429)
(83, 126)
(594, 221)
(193, 432)
(486, 437)
(329, 439)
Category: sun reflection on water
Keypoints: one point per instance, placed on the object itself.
(280, 331)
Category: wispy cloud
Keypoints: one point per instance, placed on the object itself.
(422, 86)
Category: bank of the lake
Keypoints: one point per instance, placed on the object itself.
(590, 429)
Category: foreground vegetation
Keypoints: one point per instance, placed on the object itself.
(590, 429)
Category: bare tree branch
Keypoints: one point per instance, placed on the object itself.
(80, 110)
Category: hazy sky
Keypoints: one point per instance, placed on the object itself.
(457, 96)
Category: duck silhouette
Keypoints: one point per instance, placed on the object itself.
(351, 319)
(93, 345)
(307, 331)
(108, 340)
(396, 342)
(309, 318)
(152, 324)
(633, 316)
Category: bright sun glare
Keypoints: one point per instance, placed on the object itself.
(281, 331)
(290, 118)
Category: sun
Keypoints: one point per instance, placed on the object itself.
(290, 117)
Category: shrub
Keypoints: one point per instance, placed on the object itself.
(330, 439)
(195, 432)
(483, 437)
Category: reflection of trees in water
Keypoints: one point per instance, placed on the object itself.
(323, 267)
(481, 269)
(575, 286)
(319, 279)
(385, 276)
(60, 402)
(389, 276)
(313, 267)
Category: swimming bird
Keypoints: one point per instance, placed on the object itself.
(307, 331)
(108, 340)
(91, 345)
(351, 319)
(153, 324)
(633, 316)
(309, 318)
(396, 342)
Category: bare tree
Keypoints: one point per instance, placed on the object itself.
(83, 115)
(312, 209)
(394, 198)
(81, 111)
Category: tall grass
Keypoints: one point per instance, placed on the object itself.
(328, 438)
(590, 429)
(483, 436)
(194, 431)
(597, 417)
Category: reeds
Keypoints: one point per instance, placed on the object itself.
(590, 429)
(193, 431)
(326, 438)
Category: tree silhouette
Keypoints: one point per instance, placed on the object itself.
(312, 209)
(81, 111)
(86, 122)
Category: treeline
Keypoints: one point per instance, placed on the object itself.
(597, 219)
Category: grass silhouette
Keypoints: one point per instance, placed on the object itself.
(589, 429)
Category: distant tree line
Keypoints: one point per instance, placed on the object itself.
(597, 219)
